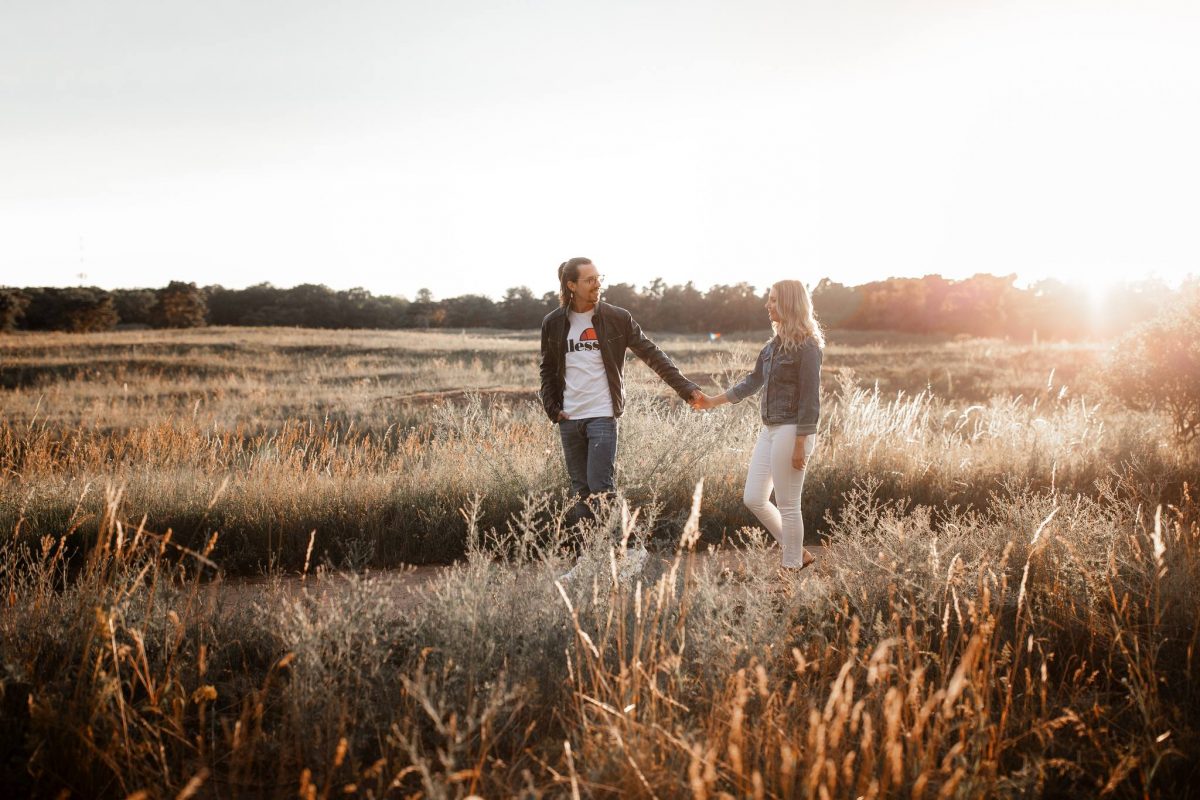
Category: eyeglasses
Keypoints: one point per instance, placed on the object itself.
(593, 279)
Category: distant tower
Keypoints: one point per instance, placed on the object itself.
(82, 274)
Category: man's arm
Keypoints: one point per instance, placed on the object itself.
(549, 371)
(659, 361)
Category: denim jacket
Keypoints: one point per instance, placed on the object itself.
(791, 384)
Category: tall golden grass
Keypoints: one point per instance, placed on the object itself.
(1044, 648)
(267, 436)
(1006, 606)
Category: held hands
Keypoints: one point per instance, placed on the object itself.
(701, 401)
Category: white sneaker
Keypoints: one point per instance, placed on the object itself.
(633, 563)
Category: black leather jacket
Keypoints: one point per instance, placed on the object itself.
(616, 331)
(792, 384)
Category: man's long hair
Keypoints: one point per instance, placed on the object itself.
(569, 271)
(797, 322)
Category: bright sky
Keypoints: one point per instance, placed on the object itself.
(472, 145)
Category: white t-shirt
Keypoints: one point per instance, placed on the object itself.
(586, 392)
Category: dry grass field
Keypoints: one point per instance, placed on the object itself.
(1006, 606)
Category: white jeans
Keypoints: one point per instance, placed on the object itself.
(771, 466)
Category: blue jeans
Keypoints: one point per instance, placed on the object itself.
(590, 449)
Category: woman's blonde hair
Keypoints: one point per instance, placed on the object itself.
(797, 323)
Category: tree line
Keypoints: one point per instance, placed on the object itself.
(982, 305)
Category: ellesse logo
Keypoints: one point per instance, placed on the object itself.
(587, 341)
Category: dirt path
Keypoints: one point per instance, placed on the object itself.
(405, 586)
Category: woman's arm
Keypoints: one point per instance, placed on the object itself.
(739, 391)
(799, 456)
(749, 384)
(808, 412)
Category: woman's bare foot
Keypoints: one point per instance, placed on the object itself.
(807, 559)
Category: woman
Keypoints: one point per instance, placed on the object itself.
(788, 371)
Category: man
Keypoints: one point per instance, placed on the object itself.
(583, 391)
